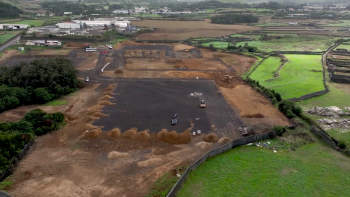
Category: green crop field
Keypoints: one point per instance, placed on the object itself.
(302, 75)
(217, 44)
(290, 45)
(36, 23)
(345, 23)
(343, 46)
(312, 170)
(9, 34)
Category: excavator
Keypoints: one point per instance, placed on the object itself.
(188, 50)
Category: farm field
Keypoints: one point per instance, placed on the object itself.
(180, 30)
(9, 34)
(343, 46)
(302, 75)
(245, 36)
(290, 45)
(36, 23)
(220, 45)
(266, 69)
(342, 23)
(312, 170)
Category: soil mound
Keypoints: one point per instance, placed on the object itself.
(258, 115)
(93, 109)
(203, 145)
(131, 133)
(95, 133)
(114, 133)
(106, 103)
(98, 114)
(106, 97)
(69, 117)
(143, 136)
(150, 162)
(170, 137)
(108, 93)
(116, 154)
(211, 138)
(224, 140)
(185, 137)
(109, 88)
(89, 127)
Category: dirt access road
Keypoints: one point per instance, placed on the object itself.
(181, 30)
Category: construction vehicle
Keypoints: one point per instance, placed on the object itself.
(87, 79)
(174, 120)
(104, 53)
(202, 104)
(187, 50)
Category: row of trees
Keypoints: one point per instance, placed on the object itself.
(244, 49)
(59, 7)
(9, 11)
(36, 82)
(15, 135)
(234, 18)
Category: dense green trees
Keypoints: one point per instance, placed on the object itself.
(9, 11)
(37, 82)
(15, 135)
(234, 18)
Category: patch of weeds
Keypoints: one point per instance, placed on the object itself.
(163, 185)
(5, 184)
(56, 103)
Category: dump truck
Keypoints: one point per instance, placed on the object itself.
(202, 104)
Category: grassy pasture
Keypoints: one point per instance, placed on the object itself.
(343, 46)
(291, 45)
(311, 170)
(302, 75)
(344, 23)
(220, 45)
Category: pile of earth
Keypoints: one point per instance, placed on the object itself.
(329, 111)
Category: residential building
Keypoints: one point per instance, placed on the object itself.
(120, 12)
(68, 25)
(13, 26)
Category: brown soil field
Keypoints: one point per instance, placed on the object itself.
(241, 63)
(89, 63)
(174, 63)
(323, 21)
(9, 54)
(180, 30)
(252, 105)
(51, 52)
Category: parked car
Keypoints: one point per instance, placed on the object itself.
(202, 104)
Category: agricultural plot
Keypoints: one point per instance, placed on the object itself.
(36, 23)
(312, 170)
(301, 75)
(216, 44)
(290, 45)
(343, 23)
(9, 34)
(343, 46)
(267, 69)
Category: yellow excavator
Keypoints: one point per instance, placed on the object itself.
(188, 50)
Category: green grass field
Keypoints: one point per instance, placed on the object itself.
(36, 23)
(302, 75)
(217, 44)
(56, 103)
(9, 34)
(312, 170)
(290, 45)
(345, 23)
(266, 69)
(343, 46)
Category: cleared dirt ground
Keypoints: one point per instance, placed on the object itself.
(180, 30)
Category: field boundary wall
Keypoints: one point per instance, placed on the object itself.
(217, 151)
(16, 161)
(257, 65)
(10, 42)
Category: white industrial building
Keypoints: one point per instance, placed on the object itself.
(13, 26)
(68, 25)
(102, 23)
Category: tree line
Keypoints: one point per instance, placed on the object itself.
(15, 135)
(234, 18)
(9, 11)
(36, 82)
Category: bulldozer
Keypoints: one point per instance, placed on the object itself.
(202, 104)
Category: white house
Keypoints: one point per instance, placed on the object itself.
(67, 13)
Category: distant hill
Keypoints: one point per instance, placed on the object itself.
(301, 1)
(9, 11)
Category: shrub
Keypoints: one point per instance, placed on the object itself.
(297, 110)
(257, 89)
(278, 97)
(341, 144)
(271, 95)
(274, 101)
(290, 114)
(279, 130)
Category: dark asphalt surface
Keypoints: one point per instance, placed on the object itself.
(151, 104)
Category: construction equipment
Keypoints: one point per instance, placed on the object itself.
(87, 79)
(174, 120)
(104, 53)
(188, 50)
(202, 104)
